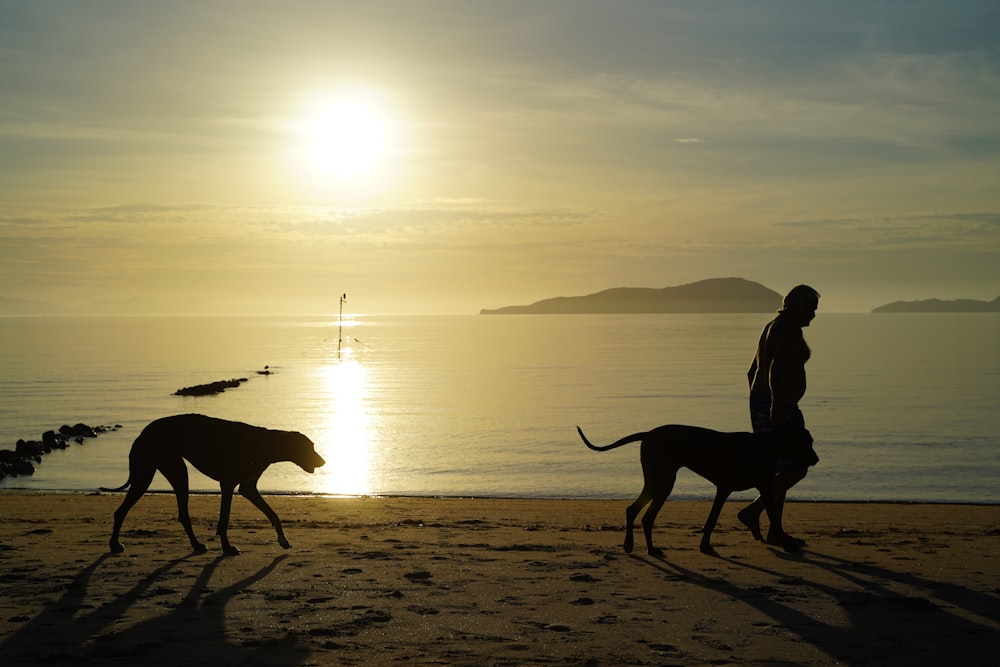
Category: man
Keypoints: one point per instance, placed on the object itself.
(777, 378)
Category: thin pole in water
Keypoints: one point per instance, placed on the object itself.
(340, 322)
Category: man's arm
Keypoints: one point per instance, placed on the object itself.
(777, 343)
(761, 342)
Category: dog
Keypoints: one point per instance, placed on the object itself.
(233, 453)
(731, 461)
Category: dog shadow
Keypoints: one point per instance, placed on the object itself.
(935, 615)
(73, 629)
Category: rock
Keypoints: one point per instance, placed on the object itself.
(31, 449)
(77, 431)
(22, 460)
(54, 440)
(19, 467)
(211, 388)
(84, 431)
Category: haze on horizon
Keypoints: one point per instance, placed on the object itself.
(447, 156)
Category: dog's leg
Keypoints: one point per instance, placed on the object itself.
(713, 517)
(649, 518)
(631, 513)
(249, 491)
(222, 530)
(141, 480)
(659, 482)
(176, 473)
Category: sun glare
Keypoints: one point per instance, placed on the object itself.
(347, 433)
(346, 137)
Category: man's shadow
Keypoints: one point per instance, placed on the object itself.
(72, 630)
(873, 609)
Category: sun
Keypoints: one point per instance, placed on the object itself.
(346, 137)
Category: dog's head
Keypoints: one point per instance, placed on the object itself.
(302, 452)
(797, 444)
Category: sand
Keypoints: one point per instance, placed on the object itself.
(443, 581)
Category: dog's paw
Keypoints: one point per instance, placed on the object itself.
(117, 548)
(708, 549)
(655, 552)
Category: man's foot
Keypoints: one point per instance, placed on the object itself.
(797, 540)
(751, 520)
(787, 542)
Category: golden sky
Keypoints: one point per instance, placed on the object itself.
(259, 157)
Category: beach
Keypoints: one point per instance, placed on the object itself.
(459, 581)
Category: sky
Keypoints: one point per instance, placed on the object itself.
(443, 157)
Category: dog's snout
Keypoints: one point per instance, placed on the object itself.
(318, 462)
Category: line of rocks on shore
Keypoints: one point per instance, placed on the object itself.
(211, 388)
(27, 453)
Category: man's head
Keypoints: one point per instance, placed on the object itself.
(802, 301)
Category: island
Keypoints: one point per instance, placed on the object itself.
(941, 306)
(715, 295)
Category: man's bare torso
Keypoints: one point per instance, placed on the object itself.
(779, 368)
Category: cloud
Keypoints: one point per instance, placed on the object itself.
(973, 232)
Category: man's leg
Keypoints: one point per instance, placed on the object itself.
(786, 477)
(787, 472)
(760, 420)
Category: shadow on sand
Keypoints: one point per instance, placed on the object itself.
(72, 630)
(942, 616)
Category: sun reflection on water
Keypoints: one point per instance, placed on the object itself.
(344, 438)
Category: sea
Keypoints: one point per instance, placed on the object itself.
(903, 407)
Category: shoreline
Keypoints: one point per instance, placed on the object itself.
(376, 496)
(493, 581)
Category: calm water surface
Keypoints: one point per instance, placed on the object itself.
(902, 406)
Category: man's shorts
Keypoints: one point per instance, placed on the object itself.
(760, 419)
(760, 414)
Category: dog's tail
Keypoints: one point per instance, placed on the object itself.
(120, 488)
(635, 437)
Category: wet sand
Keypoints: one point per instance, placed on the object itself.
(443, 581)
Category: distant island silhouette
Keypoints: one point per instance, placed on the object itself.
(716, 295)
(941, 306)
